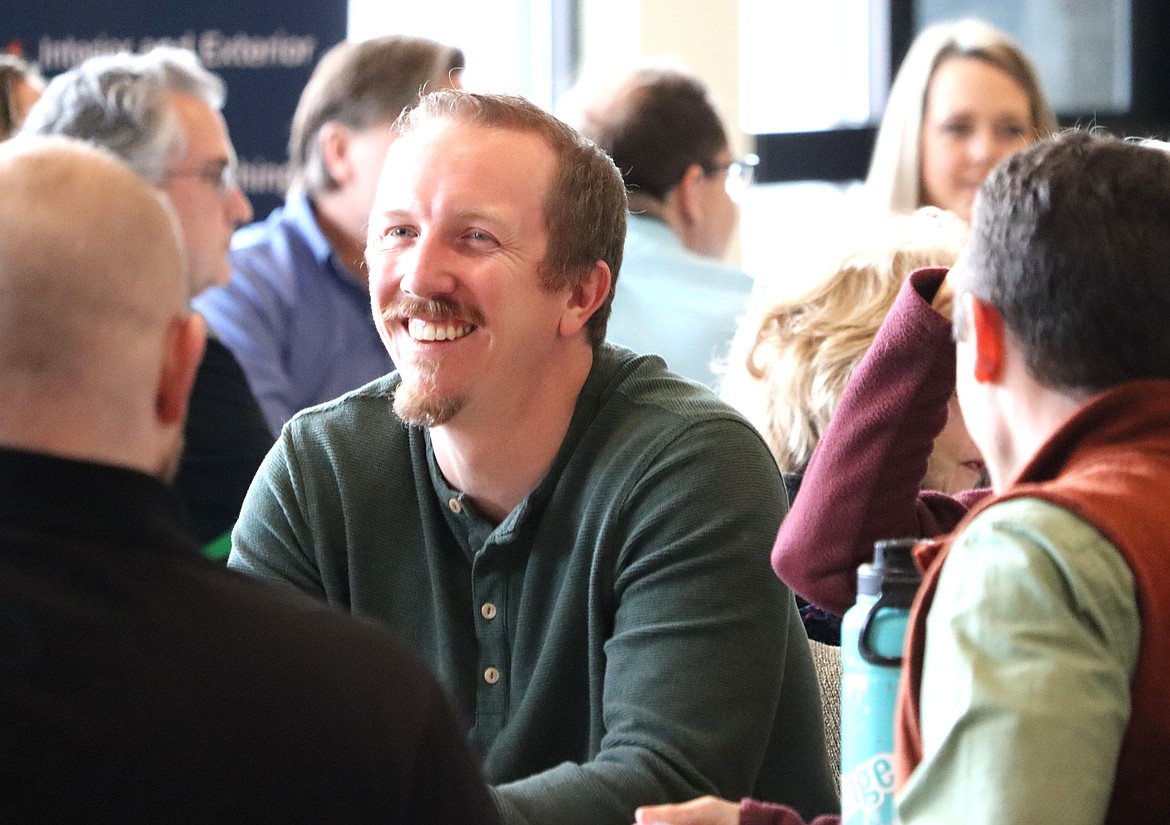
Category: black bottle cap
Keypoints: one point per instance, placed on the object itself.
(892, 574)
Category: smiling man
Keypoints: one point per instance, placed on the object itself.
(573, 538)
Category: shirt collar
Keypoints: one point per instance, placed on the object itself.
(91, 501)
(299, 211)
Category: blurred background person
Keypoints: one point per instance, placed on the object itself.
(21, 86)
(296, 312)
(965, 97)
(160, 113)
(676, 296)
(793, 360)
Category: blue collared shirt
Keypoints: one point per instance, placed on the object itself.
(674, 302)
(297, 319)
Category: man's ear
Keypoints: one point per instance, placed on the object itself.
(333, 140)
(186, 338)
(985, 325)
(686, 195)
(585, 297)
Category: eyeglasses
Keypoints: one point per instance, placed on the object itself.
(740, 173)
(218, 174)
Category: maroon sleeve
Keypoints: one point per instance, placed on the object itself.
(752, 812)
(862, 483)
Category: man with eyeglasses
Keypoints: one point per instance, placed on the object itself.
(676, 296)
(159, 112)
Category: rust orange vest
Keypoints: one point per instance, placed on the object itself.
(1109, 464)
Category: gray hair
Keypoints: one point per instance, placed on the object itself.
(119, 102)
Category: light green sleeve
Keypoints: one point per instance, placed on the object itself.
(1032, 641)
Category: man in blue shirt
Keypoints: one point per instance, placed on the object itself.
(675, 297)
(296, 312)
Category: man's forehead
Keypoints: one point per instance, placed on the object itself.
(469, 153)
(203, 127)
(467, 137)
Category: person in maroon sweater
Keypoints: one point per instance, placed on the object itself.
(863, 482)
(794, 359)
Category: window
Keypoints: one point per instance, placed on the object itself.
(523, 47)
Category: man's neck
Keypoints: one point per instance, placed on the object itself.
(497, 457)
(347, 246)
(108, 433)
(669, 213)
(1031, 418)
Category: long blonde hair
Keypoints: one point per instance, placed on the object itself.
(796, 356)
(894, 182)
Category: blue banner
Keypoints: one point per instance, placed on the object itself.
(263, 49)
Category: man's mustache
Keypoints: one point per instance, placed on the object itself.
(433, 309)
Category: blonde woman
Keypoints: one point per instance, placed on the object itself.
(792, 362)
(965, 97)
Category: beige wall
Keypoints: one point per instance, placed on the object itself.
(703, 35)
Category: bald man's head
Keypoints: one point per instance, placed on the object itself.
(93, 300)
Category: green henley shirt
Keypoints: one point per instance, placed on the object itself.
(618, 640)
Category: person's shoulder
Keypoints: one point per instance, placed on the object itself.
(261, 233)
(642, 389)
(288, 632)
(276, 248)
(1033, 518)
(1039, 562)
(721, 275)
(1026, 532)
(652, 248)
(365, 414)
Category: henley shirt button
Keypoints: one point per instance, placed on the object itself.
(488, 611)
(455, 506)
(491, 675)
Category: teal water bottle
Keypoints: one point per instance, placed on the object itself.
(871, 664)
